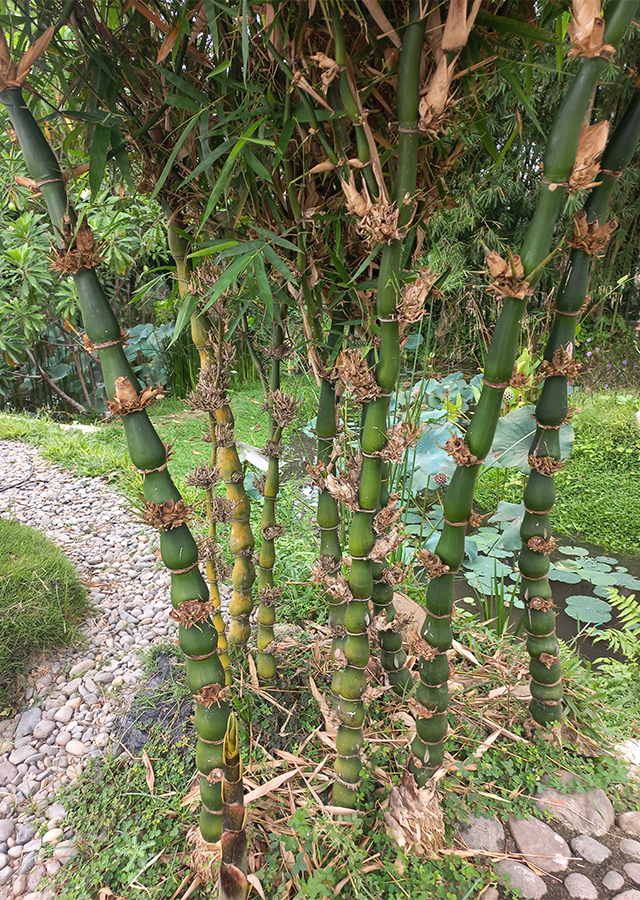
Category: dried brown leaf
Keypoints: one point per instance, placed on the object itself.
(591, 144)
(149, 776)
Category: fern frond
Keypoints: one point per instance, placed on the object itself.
(628, 609)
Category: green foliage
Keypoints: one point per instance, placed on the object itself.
(599, 490)
(41, 602)
(130, 839)
(625, 640)
(359, 857)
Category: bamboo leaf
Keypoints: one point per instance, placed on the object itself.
(283, 141)
(98, 157)
(264, 289)
(187, 309)
(508, 144)
(33, 53)
(245, 38)
(275, 239)
(183, 103)
(258, 167)
(225, 173)
(172, 158)
(509, 26)
(147, 13)
(212, 19)
(121, 156)
(278, 264)
(208, 161)
(382, 22)
(149, 776)
(482, 128)
(230, 274)
(168, 43)
(182, 85)
(241, 247)
(515, 84)
(560, 36)
(215, 247)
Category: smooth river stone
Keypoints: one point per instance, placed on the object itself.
(540, 844)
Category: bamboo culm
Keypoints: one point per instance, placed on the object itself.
(189, 592)
(268, 592)
(551, 412)
(432, 693)
(349, 739)
(209, 337)
(178, 247)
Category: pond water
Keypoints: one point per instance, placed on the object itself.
(604, 569)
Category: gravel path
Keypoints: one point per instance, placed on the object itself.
(72, 696)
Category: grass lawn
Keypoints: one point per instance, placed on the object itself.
(105, 452)
(41, 601)
(598, 494)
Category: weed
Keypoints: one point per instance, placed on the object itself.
(130, 838)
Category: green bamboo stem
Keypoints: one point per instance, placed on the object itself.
(198, 637)
(432, 693)
(234, 884)
(266, 664)
(349, 740)
(349, 101)
(241, 540)
(551, 411)
(392, 656)
(328, 511)
(178, 248)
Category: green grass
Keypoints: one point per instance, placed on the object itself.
(598, 494)
(105, 452)
(41, 602)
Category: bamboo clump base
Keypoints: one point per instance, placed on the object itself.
(489, 697)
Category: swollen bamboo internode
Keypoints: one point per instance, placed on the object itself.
(512, 283)
(189, 592)
(591, 233)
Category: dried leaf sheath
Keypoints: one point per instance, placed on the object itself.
(147, 452)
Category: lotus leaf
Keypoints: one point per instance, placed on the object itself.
(510, 537)
(573, 551)
(507, 512)
(627, 581)
(588, 609)
(471, 549)
(564, 575)
(513, 438)
(428, 458)
(598, 578)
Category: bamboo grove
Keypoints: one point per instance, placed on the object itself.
(300, 152)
